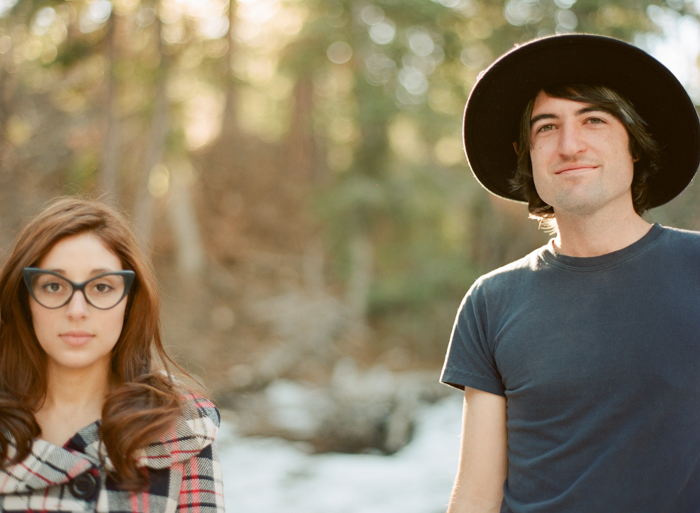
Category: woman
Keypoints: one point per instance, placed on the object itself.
(91, 418)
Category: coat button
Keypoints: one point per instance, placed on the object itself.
(83, 486)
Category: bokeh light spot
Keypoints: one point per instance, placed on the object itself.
(94, 15)
(475, 57)
(339, 52)
(383, 33)
(449, 151)
(372, 15)
(379, 69)
(566, 20)
(421, 43)
(159, 181)
(214, 27)
(413, 80)
(6, 5)
(43, 20)
(5, 44)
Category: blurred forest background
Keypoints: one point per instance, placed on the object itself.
(295, 168)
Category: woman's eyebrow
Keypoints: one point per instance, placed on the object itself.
(93, 272)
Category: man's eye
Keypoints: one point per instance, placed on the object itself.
(595, 121)
(544, 128)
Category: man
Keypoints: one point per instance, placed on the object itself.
(580, 363)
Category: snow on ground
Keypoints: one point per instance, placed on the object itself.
(264, 475)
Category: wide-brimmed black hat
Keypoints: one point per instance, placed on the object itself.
(500, 95)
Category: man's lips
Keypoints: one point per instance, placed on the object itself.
(76, 338)
(575, 167)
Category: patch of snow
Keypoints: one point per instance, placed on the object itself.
(292, 407)
(268, 474)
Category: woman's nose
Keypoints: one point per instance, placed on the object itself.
(77, 306)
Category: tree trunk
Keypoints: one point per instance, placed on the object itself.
(8, 83)
(230, 117)
(361, 261)
(111, 141)
(301, 147)
(144, 209)
(183, 220)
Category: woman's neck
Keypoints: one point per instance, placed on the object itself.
(74, 399)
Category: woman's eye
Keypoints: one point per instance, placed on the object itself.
(52, 287)
(596, 121)
(544, 128)
(102, 288)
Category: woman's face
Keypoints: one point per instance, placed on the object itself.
(78, 336)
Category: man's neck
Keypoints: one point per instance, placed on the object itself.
(595, 236)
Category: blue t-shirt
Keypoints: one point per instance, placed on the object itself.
(599, 361)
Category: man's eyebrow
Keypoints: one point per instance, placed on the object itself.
(584, 110)
(591, 108)
(542, 116)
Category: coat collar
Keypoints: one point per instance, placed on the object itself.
(49, 465)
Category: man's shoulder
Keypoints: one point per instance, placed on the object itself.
(682, 235)
(680, 243)
(529, 263)
(512, 273)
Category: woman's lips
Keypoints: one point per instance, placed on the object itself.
(76, 338)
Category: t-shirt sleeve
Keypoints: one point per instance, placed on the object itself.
(470, 361)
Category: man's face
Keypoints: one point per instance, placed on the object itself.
(581, 162)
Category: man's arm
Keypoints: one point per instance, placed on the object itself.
(483, 461)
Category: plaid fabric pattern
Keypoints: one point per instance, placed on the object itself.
(183, 469)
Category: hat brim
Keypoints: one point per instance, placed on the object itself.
(498, 99)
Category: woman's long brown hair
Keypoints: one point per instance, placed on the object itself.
(143, 401)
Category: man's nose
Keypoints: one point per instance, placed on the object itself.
(570, 139)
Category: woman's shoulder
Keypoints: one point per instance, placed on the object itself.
(191, 433)
(198, 406)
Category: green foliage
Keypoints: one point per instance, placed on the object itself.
(83, 171)
(400, 199)
(382, 124)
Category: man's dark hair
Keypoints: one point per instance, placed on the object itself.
(643, 148)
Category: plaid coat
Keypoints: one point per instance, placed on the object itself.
(183, 470)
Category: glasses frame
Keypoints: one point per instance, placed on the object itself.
(29, 272)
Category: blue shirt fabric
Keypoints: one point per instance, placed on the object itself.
(599, 361)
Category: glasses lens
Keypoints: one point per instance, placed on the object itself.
(105, 291)
(50, 290)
